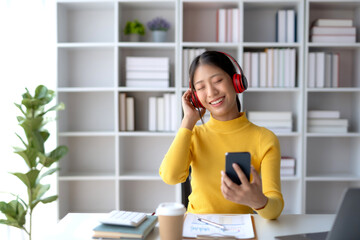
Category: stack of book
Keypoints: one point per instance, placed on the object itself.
(126, 113)
(147, 72)
(272, 68)
(188, 56)
(333, 30)
(162, 113)
(278, 122)
(323, 69)
(285, 26)
(326, 122)
(105, 231)
(228, 25)
(287, 166)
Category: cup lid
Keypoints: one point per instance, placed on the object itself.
(170, 209)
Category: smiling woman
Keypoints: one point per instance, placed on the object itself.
(27, 59)
(214, 85)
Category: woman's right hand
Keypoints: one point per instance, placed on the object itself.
(191, 114)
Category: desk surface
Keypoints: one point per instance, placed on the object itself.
(78, 226)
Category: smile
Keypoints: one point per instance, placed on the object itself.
(217, 101)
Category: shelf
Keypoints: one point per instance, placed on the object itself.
(132, 89)
(165, 45)
(106, 165)
(85, 89)
(270, 45)
(336, 177)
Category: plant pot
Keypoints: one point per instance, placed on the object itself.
(134, 37)
(159, 36)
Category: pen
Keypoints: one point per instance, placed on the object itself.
(211, 223)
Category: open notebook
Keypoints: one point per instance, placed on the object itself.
(238, 226)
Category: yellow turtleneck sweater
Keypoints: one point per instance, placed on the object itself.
(204, 149)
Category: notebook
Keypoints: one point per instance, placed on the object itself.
(346, 224)
(115, 231)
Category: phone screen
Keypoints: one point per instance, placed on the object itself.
(243, 159)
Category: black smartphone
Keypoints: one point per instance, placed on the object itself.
(243, 159)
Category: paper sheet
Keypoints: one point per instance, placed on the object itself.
(239, 226)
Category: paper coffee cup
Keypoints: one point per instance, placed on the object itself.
(171, 220)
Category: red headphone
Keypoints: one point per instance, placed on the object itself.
(239, 82)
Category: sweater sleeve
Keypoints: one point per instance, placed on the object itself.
(175, 165)
(270, 175)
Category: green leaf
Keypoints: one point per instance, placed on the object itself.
(14, 212)
(21, 140)
(20, 108)
(40, 92)
(59, 152)
(29, 155)
(29, 179)
(60, 106)
(49, 199)
(37, 193)
(47, 173)
(45, 135)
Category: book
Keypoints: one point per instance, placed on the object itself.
(141, 83)
(160, 111)
(221, 25)
(270, 67)
(114, 231)
(247, 66)
(327, 129)
(147, 63)
(281, 65)
(287, 162)
(254, 69)
(320, 70)
(333, 38)
(311, 69)
(147, 75)
(263, 70)
(335, 70)
(239, 226)
(287, 171)
(333, 31)
(122, 111)
(167, 111)
(235, 25)
(323, 114)
(152, 114)
(273, 123)
(269, 115)
(130, 114)
(290, 26)
(328, 122)
(328, 69)
(281, 26)
(325, 22)
(276, 73)
(292, 68)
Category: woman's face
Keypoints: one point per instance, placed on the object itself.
(216, 92)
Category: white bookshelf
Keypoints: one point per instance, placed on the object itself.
(109, 169)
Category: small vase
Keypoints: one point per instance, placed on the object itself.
(159, 36)
(134, 37)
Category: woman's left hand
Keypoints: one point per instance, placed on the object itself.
(247, 193)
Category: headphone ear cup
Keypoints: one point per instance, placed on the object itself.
(238, 84)
(195, 101)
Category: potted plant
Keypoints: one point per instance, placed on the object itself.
(159, 27)
(39, 163)
(134, 29)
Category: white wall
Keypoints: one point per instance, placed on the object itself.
(27, 58)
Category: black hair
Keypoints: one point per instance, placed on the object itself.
(213, 58)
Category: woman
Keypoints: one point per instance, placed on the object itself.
(228, 130)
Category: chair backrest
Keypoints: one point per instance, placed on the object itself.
(186, 190)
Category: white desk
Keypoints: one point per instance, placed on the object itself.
(78, 226)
